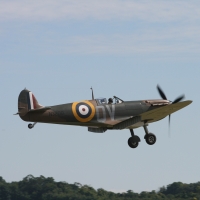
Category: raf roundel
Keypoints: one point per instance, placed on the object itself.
(83, 111)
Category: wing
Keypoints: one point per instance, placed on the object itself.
(160, 113)
(151, 116)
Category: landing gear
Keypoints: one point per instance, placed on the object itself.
(131, 143)
(149, 137)
(30, 126)
(134, 140)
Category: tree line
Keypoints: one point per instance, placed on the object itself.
(41, 188)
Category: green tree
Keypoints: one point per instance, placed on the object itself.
(4, 192)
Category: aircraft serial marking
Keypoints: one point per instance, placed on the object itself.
(57, 113)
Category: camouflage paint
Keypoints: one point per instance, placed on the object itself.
(89, 112)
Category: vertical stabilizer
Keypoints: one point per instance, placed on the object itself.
(27, 102)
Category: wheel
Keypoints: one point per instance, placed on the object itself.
(150, 139)
(30, 126)
(131, 143)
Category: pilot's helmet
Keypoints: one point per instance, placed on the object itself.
(110, 100)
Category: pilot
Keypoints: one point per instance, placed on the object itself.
(110, 101)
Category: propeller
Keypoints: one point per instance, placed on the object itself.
(163, 96)
(178, 99)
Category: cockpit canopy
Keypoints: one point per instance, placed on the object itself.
(102, 100)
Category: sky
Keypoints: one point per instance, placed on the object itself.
(59, 49)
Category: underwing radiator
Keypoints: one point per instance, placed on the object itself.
(97, 130)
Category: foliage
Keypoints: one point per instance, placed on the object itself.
(41, 188)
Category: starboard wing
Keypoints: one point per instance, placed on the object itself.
(160, 113)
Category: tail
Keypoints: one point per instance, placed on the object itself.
(27, 102)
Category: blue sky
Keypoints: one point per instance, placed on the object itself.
(59, 49)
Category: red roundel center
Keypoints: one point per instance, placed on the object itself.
(83, 109)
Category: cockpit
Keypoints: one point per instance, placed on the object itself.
(115, 99)
(101, 100)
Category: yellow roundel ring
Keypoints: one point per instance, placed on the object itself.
(83, 111)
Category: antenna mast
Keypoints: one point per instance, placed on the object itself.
(92, 93)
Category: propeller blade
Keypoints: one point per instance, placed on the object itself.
(178, 99)
(162, 94)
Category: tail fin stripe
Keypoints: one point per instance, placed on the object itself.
(28, 98)
(31, 100)
(34, 102)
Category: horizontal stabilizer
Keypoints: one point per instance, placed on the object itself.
(43, 109)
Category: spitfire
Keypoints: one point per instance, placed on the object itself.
(99, 115)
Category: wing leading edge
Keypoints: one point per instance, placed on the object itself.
(160, 113)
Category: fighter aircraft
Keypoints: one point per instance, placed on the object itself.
(100, 115)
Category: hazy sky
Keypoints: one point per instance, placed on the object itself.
(59, 49)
